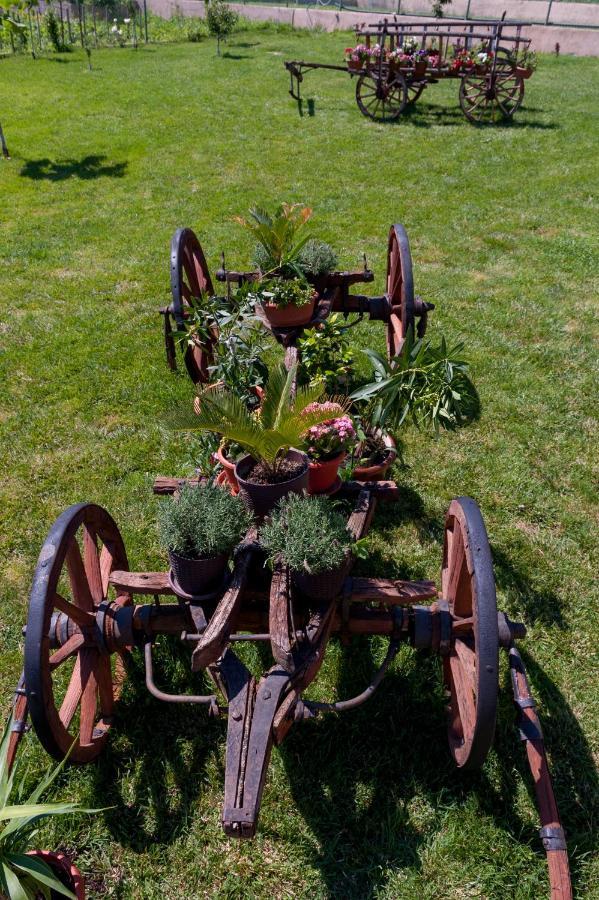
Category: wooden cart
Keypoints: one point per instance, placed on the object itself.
(487, 94)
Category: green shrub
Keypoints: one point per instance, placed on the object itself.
(53, 30)
(308, 532)
(326, 353)
(317, 258)
(203, 521)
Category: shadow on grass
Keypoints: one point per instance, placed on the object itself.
(89, 167)
(228, 55)
(538, 605)
(157, 746)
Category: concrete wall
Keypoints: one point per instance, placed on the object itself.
(581, 42)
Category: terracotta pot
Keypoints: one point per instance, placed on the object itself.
(378, 472)
(65, 871)
(420, 68)
(261, 498)
(325, 585)
(481, 70)
(322, 475)
(289, 316)
(228, 468)
(198, 576)
(354, 65)
(523, 73)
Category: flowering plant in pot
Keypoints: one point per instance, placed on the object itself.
(420, 63)
(26, 873)
(327, 445)
(199, 529)
(273, 466)
(410, 45)
(310, 536)
(526, 63)
(286, 303)
(463, 60)
(356, 57)
(483, 58)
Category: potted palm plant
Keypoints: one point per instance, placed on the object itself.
(200, 529)
(310, 536)
(26, 873)
(273, 465)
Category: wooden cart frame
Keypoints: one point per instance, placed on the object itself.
(487, 95)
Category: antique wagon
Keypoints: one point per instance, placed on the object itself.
(388, 84)
(88, 612)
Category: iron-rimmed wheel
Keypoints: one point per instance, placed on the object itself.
(471, 669)
(488, 98)
(381, 99)
(72, 681)
(400, 289)
(415, 89)
(190, 280)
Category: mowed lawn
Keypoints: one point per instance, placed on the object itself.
(105, 166)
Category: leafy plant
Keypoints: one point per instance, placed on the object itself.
(317, 258)
(269, 433)
(282, 293)
(21, 876)
(527, 60)
(438, 6)
(53, 30)
(242, 340)
(308, 532)
(221, 20)
(428, 384)
(278, 235)
(332, 437)
(326, 353)
(203, 521)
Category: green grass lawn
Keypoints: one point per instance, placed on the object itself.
(105, 166)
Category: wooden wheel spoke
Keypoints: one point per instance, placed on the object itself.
(463, 625)
(82, 617)
(464, 694)
(88, 695)
(68, 649)
(91, 562)
(73, 695)
(78, 577)
(104, 679)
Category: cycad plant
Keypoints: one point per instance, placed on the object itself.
(426, 384)
(269, 433)
(23, 877)
(279, 237)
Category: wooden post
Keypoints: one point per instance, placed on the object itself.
(5, 152)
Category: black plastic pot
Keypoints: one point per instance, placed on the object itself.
(261, 498)
(198, 576)
(325, 585)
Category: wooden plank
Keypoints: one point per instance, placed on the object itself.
(360, 519)
(390, 592)
(165, 484)
(140, 582)
(281, 639)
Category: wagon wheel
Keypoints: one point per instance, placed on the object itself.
(71, 680)
(470, 671)
(415, 89)
(486, 99)
(400, 289)
(190, 279)
(379, 99)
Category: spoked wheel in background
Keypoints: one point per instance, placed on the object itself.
(490, 98)
(471, 669)
(72, 681)
(400, 289)
(190, 280)
(380, 99)
(415, 89)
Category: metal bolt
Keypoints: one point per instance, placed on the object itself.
(236, 715)
(266, 695)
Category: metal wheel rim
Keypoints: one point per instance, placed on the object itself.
(381, 109)
(507, 89)
(92, 670)
(471, 670)
(400, 289)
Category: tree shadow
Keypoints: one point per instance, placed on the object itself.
(156, 747)
(89, 167)
(228, 55)
(538, 604)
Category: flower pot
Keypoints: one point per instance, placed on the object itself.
(420, 68)
(229, 470)
(324, 585)
(198, 576)
(378, 471)
(354, 65)
(66, 872)
(522, 72)
(481, 70)
(261, 498)
(289, 316)
(322, 474)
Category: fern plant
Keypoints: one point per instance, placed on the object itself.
(269, 433)
(279, 237)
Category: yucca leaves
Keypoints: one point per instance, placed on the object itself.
(278, 233)
(428, 384)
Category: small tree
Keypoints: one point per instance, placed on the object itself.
(438, 7)
(221, 21)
